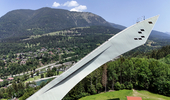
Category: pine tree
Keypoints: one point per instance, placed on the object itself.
(104, 76)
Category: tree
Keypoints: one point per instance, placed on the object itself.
(104, 76)
(117, 86)
(42, 75)
(38, 73)
(5, 82)
(15, 86)
(21, 86)
(112, 75)
(54, 69)
(121, 68)
(122, 86)
(5, 95)
(128, 85)
(1, 94)
(32, 74)
(144, 74)
(26, 76)
(49, 73)
(99, 87)
(42, 84)
(57, 71)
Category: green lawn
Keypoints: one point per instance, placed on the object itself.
(39, 77)
(121, 95)
(60, 72)
(110, 95)
(146, 95)
(32, 79)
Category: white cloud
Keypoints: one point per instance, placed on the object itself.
(79, 8)
(71, 4)
(55, 4)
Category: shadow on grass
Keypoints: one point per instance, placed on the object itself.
(114, 99)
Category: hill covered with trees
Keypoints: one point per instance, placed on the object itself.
(32, 22)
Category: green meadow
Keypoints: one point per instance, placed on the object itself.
(122, 94)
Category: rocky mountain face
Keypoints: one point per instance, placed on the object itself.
(28, 22)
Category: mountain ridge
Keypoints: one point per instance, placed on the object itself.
(28, 22)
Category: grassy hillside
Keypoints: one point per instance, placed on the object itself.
(121, 95)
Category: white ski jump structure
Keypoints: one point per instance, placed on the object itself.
(120, 43)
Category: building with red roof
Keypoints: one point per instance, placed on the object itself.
(10, 78)
(133, 98)
(1, 80)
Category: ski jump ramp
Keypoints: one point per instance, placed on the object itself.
(120, 43)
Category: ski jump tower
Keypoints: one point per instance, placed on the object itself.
(120, 43)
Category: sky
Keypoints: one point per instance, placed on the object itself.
(122, 12)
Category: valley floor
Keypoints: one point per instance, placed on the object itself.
(121, 95)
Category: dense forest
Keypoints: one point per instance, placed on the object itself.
(142, 73)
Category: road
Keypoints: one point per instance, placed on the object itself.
(37, 69)
(45, 66)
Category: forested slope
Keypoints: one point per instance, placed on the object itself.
(26, 22)
(143, 73)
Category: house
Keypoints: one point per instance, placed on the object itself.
(43, 49)
(1, 80)
(23, 62)
(9, 85)
(133, 98)
(10, 79)
(67, 63)
(17, 58)
(58, 65)
(32, 85)
(51, 53)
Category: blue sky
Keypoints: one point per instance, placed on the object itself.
(123, 12)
